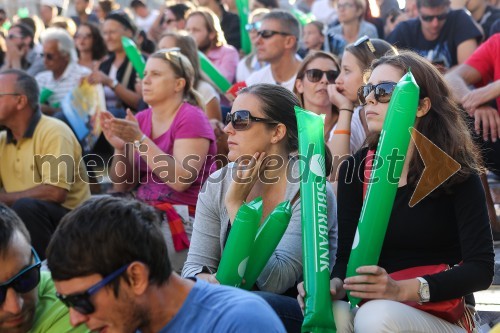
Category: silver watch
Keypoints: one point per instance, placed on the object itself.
(423, 291)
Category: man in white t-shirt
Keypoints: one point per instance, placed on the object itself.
(277, 44)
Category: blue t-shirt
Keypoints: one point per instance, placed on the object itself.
(214, 308)
(458, 28)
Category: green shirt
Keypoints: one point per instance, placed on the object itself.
(52, 316)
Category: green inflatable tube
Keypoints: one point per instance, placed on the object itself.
(234, 259)
(134, 55)
(242, 6)
(302, 17)
(209, 69)
(266, 241)
(377, 206)
(318, 315)
(45, 95)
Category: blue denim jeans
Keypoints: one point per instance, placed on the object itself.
(287, 308)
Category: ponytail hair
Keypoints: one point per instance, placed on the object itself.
(182, 68)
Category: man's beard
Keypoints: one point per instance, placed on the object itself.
(205, 46)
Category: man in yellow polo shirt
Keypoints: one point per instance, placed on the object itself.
(42, 174)
(28, 302)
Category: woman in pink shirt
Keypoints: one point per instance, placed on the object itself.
(167, 151)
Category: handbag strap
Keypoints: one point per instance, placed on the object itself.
(126, 76)
(367, 172)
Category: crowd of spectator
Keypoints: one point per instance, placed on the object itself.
(143, 254)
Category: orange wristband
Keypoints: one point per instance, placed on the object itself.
(342, 132)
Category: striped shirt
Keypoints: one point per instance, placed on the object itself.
(65, 84)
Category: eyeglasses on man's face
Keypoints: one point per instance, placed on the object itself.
(266, 34)
(49, 56)
(346, 5)
(430, 18)
(24, 281)
(81, 301)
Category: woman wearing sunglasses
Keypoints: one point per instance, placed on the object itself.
(261, 127)
(166, 152)
(350, 130)
(449, 226)
(317, 71)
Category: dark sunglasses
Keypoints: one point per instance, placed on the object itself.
(49, 56)
(314, 75)
(383, 92)
(241, 120)
(170, 21)
(365, 40)
(253, 26)
(13, 36)
(430, 18)
(270, 33)
(81, 301)
(24, 281)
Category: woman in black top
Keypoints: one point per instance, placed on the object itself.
(116, 72)
(449, 226)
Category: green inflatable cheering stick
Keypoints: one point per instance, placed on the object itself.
(242, 6)
(266, 241)
(302, 17)
(318, 316)
(377, 206)
(134, 55)
(234, 259)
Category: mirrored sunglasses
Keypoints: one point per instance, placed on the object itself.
(241, 120)
(383, 92)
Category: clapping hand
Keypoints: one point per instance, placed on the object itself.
(118, 132)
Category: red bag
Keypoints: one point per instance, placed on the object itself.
(451, 310)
